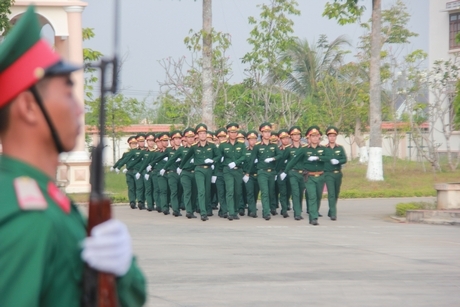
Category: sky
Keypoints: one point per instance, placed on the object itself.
(152, 30)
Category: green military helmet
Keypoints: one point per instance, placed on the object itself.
(252, 134)
(176, 134)
(332, 130)
(132, 139)
(221, 132)
(313, 130)
(201, 127)
(283, 133)
(25, 58)
(232, 127)
(265, 127)
(189, 132)
(295, 130)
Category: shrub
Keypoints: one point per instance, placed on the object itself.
(401, 208)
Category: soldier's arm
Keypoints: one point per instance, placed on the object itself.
(131, 287)
(250, 161)
(172, 160)
(278, 153)
(119, 160)
(295, 160)
(189, 155)
(343, 157)
(125, 158)
(242, 157)
(146, 162)
(280, 162)
(217, 154)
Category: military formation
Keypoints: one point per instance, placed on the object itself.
(199, 171)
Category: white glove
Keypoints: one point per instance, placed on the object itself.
(108, 249)
(138, 175)
(212, 167)
(208, 161)
(178, 160)
(117, 171)
(231, 165)
(256, 160)
(276, 177)
(213, 179)
(268, 160)
(146, 176)
(283, 176)
(192, 160)
(179, 170)
(313, 158)
(112, 169)
(162, 172)
(246, 178)
(149, 168)
(165, 159)
(222, 159)
(125, 171)
(334, 161)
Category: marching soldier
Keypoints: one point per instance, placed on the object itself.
(234, 154)
(266, 154)
(333, 170)
(283, 185)
(251, 183)
(313, 157)
(130, 182)
(159, 171)
(295, 177)
(148, 183)
(43, 243)
(211, 137)
(205, 155)
(221, 135)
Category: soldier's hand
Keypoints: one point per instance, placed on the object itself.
(208, 161)
(212, 167)
(313, 158)
(112, 169)
(213, 179)
(192, 160)
(117, 170)
(334, 161)
(162, 172)
(276, 177)
(125, 171)
(246, 178)
(179, 170)
(108, 249)
(149, 168)
(178, 159)
(231, 165)
(138, 175)
(165, 159)
(268, 160)
(146, 176)
(283, 176)
(256, 160)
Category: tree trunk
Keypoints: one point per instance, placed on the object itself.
(375, 166)
(363, 155)
(207, 98)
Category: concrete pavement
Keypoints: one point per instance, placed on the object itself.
(362, 259)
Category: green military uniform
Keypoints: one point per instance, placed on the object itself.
(187, 175)
(139, 179)
(220, 183)
(173, 177)
(233, 159)
(284, 187)
(132, 161)
(148, 178)
(315, 169)
(41, 231)
(252, 185)
(333, 173)
(243, 205)
(130, 182)
(162, 181)
(203, 171)
(295, 177)
(266, 171)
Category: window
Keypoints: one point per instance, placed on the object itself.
(454, 29)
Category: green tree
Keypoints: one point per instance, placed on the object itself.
(5, 24)
(90, 56)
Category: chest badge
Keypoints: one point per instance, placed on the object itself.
(29, 195)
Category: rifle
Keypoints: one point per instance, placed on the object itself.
(99, 288)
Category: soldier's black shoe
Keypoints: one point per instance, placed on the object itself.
(176, 214)
(149, 209)
(210, 214)
(215, 207)
(132, 205)
(297, 218)
(166, 212)
(288, 208)
(252, 214)
(314, 222)
(198, 211)
(320, 215)
(285, 215)
(230, 218)
(241, 213)
(273, 212)
(334, 218)
(236, 217)
(190, 216)
(301, 217)
(204, 218)
(159, 210)
(267, 218)
(140, 205)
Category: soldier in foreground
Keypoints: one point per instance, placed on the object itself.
(43, 243)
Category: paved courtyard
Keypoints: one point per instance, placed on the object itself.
(362, 259)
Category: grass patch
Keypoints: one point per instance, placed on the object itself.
(401, 208)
